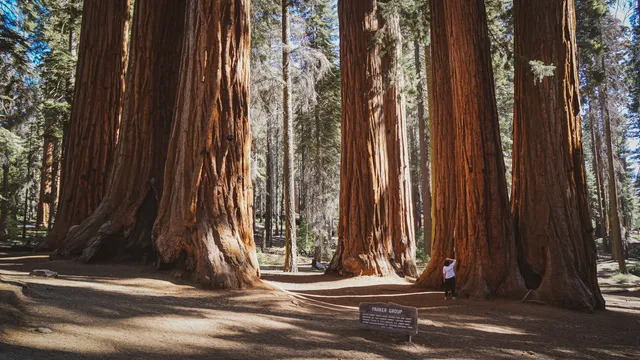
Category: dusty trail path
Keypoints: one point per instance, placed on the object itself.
(106, 311)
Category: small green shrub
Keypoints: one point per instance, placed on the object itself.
(305, 238)
(634, 269)
(420, 255)
(621, 278)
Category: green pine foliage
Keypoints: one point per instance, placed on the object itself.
(317, 117)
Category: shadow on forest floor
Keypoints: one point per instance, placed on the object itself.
(108, 311)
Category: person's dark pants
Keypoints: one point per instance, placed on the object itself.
(450, 285)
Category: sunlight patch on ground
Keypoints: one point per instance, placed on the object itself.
(18, 258)
(489, 328)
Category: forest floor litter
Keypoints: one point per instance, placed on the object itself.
(124, 311)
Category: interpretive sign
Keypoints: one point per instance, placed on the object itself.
(389, 317)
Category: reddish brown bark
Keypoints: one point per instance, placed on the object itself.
(424, 147)
(204, 222)
(121, 226)
(400, 220)
(95, 115)
(556, 249)
(46, 177)
(364, 242)
(482, 228)
(442, 148)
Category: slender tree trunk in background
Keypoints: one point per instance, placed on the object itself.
(281, 215)
(60, 157)
(364, 242)
(399, 179)
(121, 226)
(55, 175)
(291, 251)
(6, 166)
(606, 239)
(483, 231)
(614, 218)
(25, 214)
(600, 220)
(556, 248)
(95, 115)
(46, 175)
(424, 151)
(416, 180)
(301, 193)
(277, 180)
(271, 185)
(204, 219)
(442, 149)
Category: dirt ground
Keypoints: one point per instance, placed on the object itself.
(106, 311)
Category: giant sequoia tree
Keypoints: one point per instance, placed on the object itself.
(442, 150)
(556, 249)
(204, 222)
(122, 223)
(400, 203)
(95, 115)
(477, 208)
(364, 241)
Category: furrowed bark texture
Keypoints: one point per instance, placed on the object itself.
(424, 150)
(483, 232)
(121, 226)
(399, 184)
(442, 148)
(291, 251)
(95, 114)
(204, 222)
(556, 248)
(364, 241)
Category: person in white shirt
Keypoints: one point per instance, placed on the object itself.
(449, 277)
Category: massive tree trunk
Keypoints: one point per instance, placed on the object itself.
(364, 240)
(204, 223)
(291, 251)
(442, 148)
(424, 150)
(121, 225)
(399, 182)
(482, 228)
(556, 248)
(95, 115)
